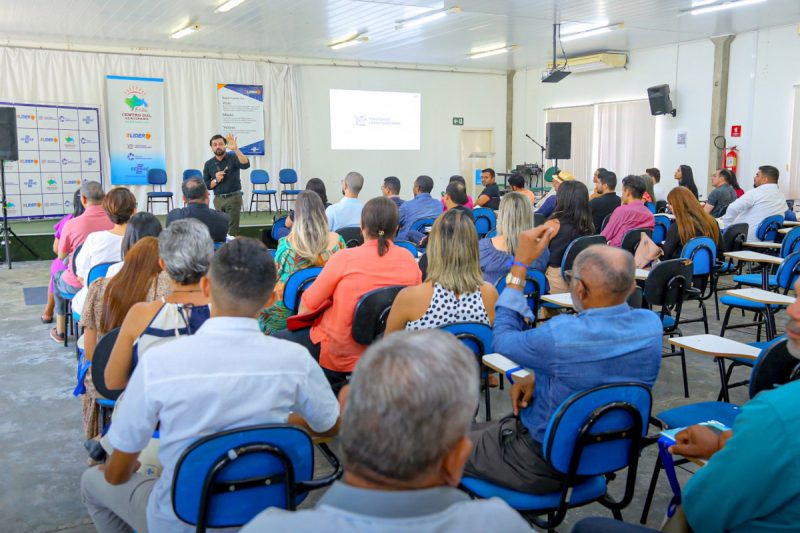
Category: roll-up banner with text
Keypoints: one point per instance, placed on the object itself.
(241, 113)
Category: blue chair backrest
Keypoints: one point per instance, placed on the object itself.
(98, 271)
(475, 336)
(272, 252)
(535, 286)
(485, 220)
(192, 173)
(576, 247)
(410, 246)
(218, 245)
(491, 234)
(157, 176)
(259, 177)
(264, 461)
(703, 253)
(791, 242)
(651, 206)
(768, 228)
(296, 285)
(660, 230)
(287, 176)
(423, 225)
(592, 431)
(788, 271)
(277, 225)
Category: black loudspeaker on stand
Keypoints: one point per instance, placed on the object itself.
(8, 152)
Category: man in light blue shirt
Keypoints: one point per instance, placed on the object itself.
(606, 342)
(404, 441)
(346, 212)
(422, 206)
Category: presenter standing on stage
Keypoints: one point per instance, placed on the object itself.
(221, 174)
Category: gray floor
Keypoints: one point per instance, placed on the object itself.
(40, 431)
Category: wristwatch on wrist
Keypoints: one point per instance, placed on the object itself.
(512, 280)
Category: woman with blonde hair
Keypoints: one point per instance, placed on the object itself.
(496, 253)
(691, 221)
(310, 244)
(454, 290)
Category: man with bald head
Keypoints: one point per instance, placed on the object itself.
(606, 341)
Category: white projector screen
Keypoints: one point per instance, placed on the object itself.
(375, 120)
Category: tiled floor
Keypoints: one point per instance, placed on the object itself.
(40, 431)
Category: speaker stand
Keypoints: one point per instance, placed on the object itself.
(6, 233)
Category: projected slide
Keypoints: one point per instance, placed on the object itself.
(375, 120)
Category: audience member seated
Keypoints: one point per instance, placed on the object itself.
(74, 233)
(348, 275)
(594, 194)
(391, 190)
(566, 355)
(58, 265)
(186, 248)
(460, 179)
(310, 244)
(346, 212)
(195, 196)
(104, 246)
(496, 253)
(109, 300)
(659, 190)
(548, 205)
(605, 199)
(198, 385)
(734, 182)
(402, 459)
(454, 290)
(723, 194)
(517, 184)
(691, 221)
(571, 219)
(764, 200)
(632, 214)
(490, 195)
(685, 178)
(421, 206)
(455, 197)
(316, 185)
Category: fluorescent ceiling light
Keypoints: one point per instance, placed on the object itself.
(351, 40)
(590, 33)
(185, 31)
(699, 3)
(426, 17)
(721, 7)
(227, 6)
(492, 52)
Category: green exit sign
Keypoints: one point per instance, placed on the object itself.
(458, 121)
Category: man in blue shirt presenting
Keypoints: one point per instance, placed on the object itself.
(606, 342)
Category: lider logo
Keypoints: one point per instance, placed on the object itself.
(137, 135)
(68, 181)
(29, 161)
(26, 117)
(32, 204)
(48, 139)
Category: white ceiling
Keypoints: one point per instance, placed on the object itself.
(304, 28)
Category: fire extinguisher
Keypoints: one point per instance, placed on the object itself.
(730, 159)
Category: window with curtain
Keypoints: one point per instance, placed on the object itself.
(794, 161)
(626, 137)
(582, 118)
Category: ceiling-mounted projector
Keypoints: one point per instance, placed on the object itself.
(554, 75)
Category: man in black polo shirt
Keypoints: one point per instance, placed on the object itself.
(195, 195)
(221, 174)
(490, 196)
(602, 205)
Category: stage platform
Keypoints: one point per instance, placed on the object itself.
(38, 233)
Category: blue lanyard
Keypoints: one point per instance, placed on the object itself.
(669, 469)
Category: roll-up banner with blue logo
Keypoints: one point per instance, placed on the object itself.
(59, 145)
(135, 128)
(241, 113)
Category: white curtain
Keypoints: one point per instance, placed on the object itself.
(582, 119)
(191, 118)
(793, 189)
(625, 137)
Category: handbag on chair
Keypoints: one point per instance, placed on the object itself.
(647, 252)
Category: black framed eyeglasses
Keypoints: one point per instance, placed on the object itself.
(570, 275)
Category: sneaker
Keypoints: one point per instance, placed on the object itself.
(59, 338)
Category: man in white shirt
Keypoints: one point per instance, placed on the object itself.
(227, 375)
(347, 211)
(765, 200)
(404, 442)
(659, 191)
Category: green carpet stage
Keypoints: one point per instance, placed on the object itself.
(38, 234)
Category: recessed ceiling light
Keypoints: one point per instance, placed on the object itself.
(351, 40)
(566, 37)
(227, 6)
(703, 9)
(504, 49)
(424, 18)
(185, 31)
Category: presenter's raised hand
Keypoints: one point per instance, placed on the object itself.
(231, 141)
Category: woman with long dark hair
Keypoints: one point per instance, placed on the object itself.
(685, 178)
(730, 177)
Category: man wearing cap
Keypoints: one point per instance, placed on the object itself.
(548, 205)
(632, 214)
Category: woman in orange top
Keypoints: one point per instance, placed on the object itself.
(347, 276)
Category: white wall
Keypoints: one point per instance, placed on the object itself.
(479, 98)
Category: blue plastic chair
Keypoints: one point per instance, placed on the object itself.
(485, 221)
(408, 245)
(278, 227)
(478, 338)
(272, 252)
(422, 225)
(192, 173)
(651, 206)
(790, 244)
(491, 234)
(593, 433)
(157, 177)
(570, 253)
(702, 252)
(287, 177)
(535, 287)
(98, 271)
(767, 229)
(296, 285)
(261, 177)
(663, 223)
(226, 479)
